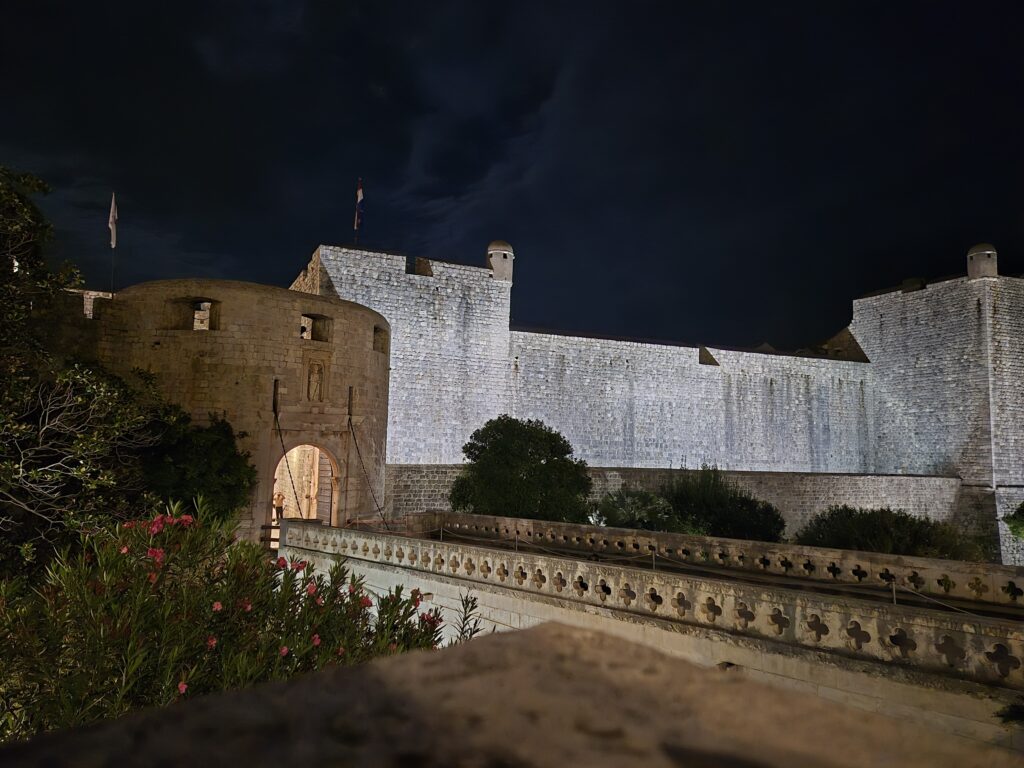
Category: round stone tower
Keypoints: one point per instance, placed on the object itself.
(499, 259)
(982, 261)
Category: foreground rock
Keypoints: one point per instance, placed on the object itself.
(549, 696)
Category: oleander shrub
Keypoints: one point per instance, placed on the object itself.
(888, 531)
(154, 611)
(706, 501)
(642, 510)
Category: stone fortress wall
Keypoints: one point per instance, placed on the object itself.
(277, 364)
(935, 390)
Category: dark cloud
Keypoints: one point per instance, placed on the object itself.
(728, 172)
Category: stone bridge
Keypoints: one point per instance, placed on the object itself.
(937, 642)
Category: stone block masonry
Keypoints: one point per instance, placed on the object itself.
(929, 384)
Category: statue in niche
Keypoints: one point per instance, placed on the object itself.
(315, 385)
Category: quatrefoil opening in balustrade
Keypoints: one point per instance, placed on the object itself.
(1003, 661)
(977, 587)
(859, 573)
(388, 553)
(915, 580)
(779, 621)
(710, 610)
(947, 584)
(579, 586)
(413, 557)
(902, 643)
(519, 574)
(375, 550)
(953, 653)
(502, 572)
(485, 569)
(808, 567)
(856, 637)
(453, 564)
(817, 627)
(680, 603)
(400, 554)
(887, 577)
(469, 566)
(834, 570)
(602, 590)
(539, 579)
(743, 615)
(558, 583)
(653, 599)
(785, 564)
(1012, 591)
(764, 562)
(626, 594)
(438, 562)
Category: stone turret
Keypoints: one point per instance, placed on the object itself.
(499, 259)
(982, 261)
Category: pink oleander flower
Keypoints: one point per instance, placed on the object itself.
(311, 588)
(156, 554)
(156, 526)
(246, 605)
(211, 642)
(283, 651)
(217, 606)
(182, 687)
(319, 600)
(299, 566)
(316, 641)
(282, 563)
(366, 602)
(351, 589)
(186, 520)
(124, 550)
(129, 525)
(152, 578)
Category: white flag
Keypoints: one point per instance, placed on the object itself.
(112, 221)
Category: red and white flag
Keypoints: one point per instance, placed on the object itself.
(112, 221)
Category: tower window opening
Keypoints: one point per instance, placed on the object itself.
(201, 315)
(380, 339)
(315, 328)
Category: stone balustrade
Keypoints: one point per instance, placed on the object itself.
(945, 580)
(961, 645)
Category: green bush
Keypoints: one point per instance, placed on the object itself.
(706, 501)
(155, 611)
(1015, 522)
(521, 469)
(642, 510)
(887, 531)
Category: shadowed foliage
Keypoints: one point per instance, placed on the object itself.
(522, 469)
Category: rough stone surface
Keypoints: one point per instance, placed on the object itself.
(550, 696)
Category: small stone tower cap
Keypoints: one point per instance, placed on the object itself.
(982, 261)
(499, 258)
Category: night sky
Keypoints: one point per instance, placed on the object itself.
(706, 172)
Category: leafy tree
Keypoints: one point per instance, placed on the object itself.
(888, 531)
(643, 510)
(162, 609)
(191, 461)
(521, 469)
(28, 287)
(706, 501)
